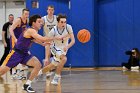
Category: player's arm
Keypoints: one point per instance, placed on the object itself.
(72, 40)
(43, 21)
(13, 26)
(41, 43)
(71, 36)
(38, 37)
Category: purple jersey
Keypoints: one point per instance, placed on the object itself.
(19, 54)
(23, 44)
(19, 30)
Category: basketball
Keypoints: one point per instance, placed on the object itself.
(83, 36)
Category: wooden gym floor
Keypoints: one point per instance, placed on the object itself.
(79, 81)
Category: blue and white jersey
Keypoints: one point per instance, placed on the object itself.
(49, 24)
(57, 32)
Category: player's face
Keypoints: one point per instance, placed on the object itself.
(50, 11)
(38, 23)
(26, 14)
(62, 22)
(11, 18)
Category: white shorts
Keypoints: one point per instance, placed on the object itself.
(57, 52)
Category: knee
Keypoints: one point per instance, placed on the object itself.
(64, 59)
(37, 65)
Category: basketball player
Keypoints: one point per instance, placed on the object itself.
(49, 22)
(18, 26)
(20, 54)
(60, 47)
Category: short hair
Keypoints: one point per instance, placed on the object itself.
(33, 18)
(61, 16)
(25, 9)
(11, 15)
(51, 6)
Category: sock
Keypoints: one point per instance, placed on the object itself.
(29, 82)
(40, 72)
(56, 75)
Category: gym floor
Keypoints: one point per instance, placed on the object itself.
(79, 81)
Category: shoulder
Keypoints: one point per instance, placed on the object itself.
(55, 16)
(30, 31)
(6, 24)
(44, 17)
(18, 20)
(68, 26)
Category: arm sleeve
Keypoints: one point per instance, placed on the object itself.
(43, 18)
(5, 27)
(69, 28)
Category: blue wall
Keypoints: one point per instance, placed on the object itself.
(82, 17)
(118, 29)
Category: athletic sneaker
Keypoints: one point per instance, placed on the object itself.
(55, 80)
(28, 88)
(49, 74)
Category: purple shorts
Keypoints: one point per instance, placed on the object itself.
(14, 58)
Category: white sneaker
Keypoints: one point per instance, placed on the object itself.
(49, 74)
(55, 80)
(124, 67)
(135, 68)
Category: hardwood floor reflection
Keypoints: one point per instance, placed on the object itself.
(94, 81)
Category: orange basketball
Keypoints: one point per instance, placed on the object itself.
(83, 36)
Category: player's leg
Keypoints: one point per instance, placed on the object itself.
(46, 69)
(34, 62)
(59, 68)
(4, 69)
(11, 60)
(61, 64)
(47, 55)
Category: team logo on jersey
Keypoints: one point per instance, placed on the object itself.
(50, 27)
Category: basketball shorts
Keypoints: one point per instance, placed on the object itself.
(57, 52)
(14, 58)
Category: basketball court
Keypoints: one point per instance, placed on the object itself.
(103, 30)
(79, 81)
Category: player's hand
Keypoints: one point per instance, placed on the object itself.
(5, 44)
(58, 37)
(65, 48)
(46, 62)
(46, 43)
(66, 36)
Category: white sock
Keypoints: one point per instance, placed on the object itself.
(56, 75)
(40, 72)
(29, 82)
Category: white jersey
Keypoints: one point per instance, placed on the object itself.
(48, 24)
(57, 49)
(56, 32)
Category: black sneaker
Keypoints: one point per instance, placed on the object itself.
(28, 88)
